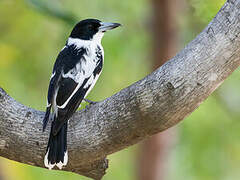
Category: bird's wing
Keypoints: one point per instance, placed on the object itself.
(74, 75)
(52, 90)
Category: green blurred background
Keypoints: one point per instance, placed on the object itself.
(32, 32)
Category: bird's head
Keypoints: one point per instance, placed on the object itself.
(91, 29)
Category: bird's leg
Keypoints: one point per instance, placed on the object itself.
(89, 101)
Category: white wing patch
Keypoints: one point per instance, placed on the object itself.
(94, 80)
(55, 107)
(75, 74)
(83, 69)
(53, 74)
(66, 102)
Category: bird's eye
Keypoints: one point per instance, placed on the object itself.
(90, 26)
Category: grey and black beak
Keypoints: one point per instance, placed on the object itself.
(105, 26)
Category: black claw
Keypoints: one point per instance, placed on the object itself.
(90, 102)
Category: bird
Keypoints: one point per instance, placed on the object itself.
(75, 72)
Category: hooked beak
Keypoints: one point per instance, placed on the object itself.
(108, 26)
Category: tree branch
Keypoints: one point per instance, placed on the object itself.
(151, 105)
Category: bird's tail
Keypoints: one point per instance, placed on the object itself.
(56, 153)
(46, 117)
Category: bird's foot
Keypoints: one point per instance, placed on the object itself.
(90, 102)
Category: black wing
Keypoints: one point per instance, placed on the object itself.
(69, 85)
(53, 86)
(60, 88)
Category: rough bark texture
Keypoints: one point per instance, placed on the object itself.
(151, 105)
(154, 153)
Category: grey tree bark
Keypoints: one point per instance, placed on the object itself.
(153, 159)
(151, 105)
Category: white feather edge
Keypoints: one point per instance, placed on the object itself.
(88, 67)
(59, 165)
(65, 160)
(79, 43)
(46, 162)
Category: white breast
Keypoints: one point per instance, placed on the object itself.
(85, 68)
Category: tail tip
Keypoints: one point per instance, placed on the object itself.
(64, 163)
(47, 163)
(59, 164)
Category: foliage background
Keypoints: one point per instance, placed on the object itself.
(34, 31)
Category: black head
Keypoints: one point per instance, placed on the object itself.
(87, 28)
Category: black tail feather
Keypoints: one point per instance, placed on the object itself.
(46, 117)
(56, 153)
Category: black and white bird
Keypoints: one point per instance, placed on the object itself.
(75, 72)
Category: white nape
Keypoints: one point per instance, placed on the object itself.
(87, 66)
(79, 43)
